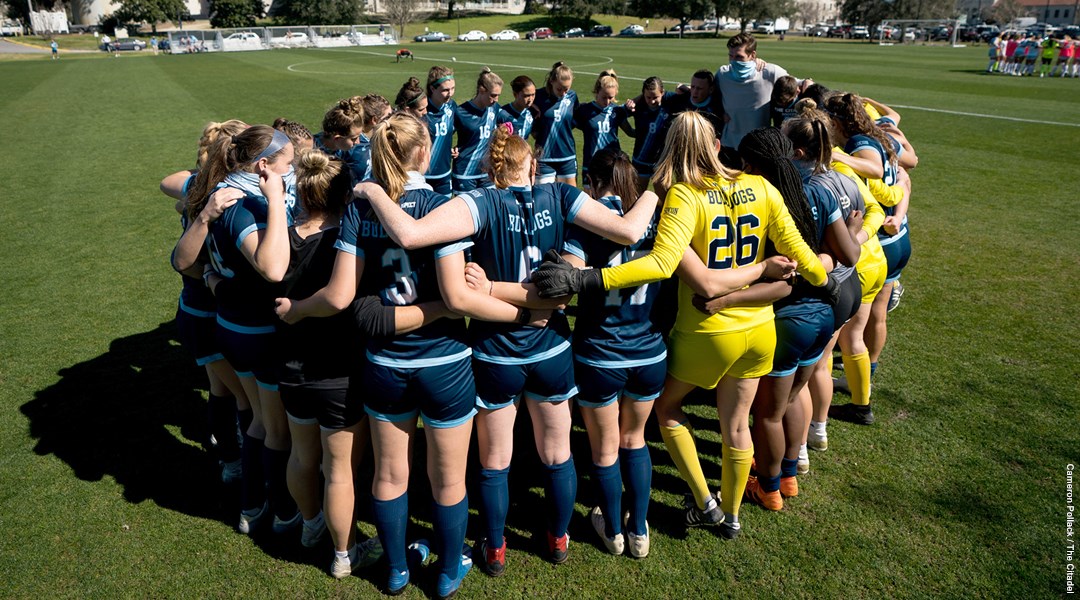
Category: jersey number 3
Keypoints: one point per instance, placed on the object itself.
(746, 244)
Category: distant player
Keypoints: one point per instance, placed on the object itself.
(520, 112)
(650, 124)
(56, 49)
(474, 122)
(556, 104)
(601, 119)
(404, 53)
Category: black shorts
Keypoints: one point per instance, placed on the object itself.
(850, 300)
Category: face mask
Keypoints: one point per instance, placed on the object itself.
(743, 70)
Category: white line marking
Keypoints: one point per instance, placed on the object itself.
(981, 115)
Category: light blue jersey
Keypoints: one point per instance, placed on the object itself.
(440, 122)
(554, 129)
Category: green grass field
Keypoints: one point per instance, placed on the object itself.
(958, 491)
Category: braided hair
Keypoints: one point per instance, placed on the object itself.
(769, 152)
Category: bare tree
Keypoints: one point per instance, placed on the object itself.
(400, 13)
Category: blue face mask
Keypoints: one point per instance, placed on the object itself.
(743, 70)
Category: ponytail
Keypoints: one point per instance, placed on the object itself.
(612, 171)
(396, 147)
(323, 184)
(769, 153)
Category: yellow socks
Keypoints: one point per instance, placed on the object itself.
(680, 445)
(857, 371)
(736, 470)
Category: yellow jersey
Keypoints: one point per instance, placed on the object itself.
(726, 225)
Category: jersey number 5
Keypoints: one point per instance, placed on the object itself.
(746, 246)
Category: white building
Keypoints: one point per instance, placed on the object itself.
(810, 12)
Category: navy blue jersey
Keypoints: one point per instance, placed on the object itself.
(779, 114)
(599, 127)
(256, 313)
(650, 125)
(514, 228)
(315, 349)
(823, 194)
(474, 127)
(359, 159)
(404, 278)
(845, 196)
(554, 128)
(613, 328)
(341, 155)
(440, 122)
(522, 121)
(712, 109)
(195, 297)
(863, 142)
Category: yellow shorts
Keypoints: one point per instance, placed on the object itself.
(702, 359)
(872, 278)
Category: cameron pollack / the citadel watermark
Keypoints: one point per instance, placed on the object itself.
(1070, 535)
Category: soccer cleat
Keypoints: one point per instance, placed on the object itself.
(853, 413)
(558, 548)
(789, 487)
(803, 466)
(418, 553)
(397, 582)
(369, 552)
(492, 560)
(250, 519)
(817, 441)
(894, 297)
(446, 587)
(314, 533)
(638, 546)
(730, 527)
(766, 500)
(341, 567)
(283, 526)
(615, 545)
(712, 515)
(232, 472)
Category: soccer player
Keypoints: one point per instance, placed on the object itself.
(250, 245)
(299, 135)
(650, 124)
(440, 122)
(723, 216)
(519, 112)
(376, 110)
(342, 127)
(556, 105)
(511, 225)
(411, 99)
(600, 120)
(474, 122)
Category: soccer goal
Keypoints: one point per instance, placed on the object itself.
(913, 31)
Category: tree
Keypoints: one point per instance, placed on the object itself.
(19, 9)
(321, 12)
(400, 13)
(683, 10)
(869, 12)
(450, 8)
(1007, 11)
(745, 11)
(583, 10)
(234, 13)
(149, 11)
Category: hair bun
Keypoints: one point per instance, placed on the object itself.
(313, 160)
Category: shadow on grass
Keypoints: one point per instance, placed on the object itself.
(134, 414)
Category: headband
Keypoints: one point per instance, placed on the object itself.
(442, 79)
(277, 143)
(414, 100)
(508, 126)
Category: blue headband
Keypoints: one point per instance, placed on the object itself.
(277, 143)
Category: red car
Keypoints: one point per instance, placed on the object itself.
(540, 33)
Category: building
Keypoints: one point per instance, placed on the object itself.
(809, 12)
(1052, 12)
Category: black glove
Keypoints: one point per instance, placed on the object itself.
(556, 277)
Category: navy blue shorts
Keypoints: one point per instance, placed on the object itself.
(443, 396)
(548, 380)
(441, 185)
(897, 253)
(198, 335)
(801, 338)
(462, 185)
(320, 403)
(252, 351)
(600, 386)
(547, 171)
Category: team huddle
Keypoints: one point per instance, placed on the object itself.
(326, 277)
(1016, 54)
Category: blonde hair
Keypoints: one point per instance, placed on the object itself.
(689, 156)
(396, 147)
(374, 106)
(212, 132)
(226, 155)
(559, 72)
(323, 184)
(810, 132)
(488, 80)
(343, 116)
(606, 80)
(506, 154)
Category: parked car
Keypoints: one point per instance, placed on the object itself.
(432, 36)
(887, 32)
(573, 32)
(124, 44)
(838, 31)
(732, 26)
(818, 30)
(707, 26)
(473, 36)
(765, 27)
(632, 30)
(8, 28)
(600, 31)
(540, 33)
(243, 36)
(505, 35)
(860, 32)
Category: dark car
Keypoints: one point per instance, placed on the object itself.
(124, 44)
(839, 31)
(600, 31)
(432, 36)
(540, 33)
(573, 32)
